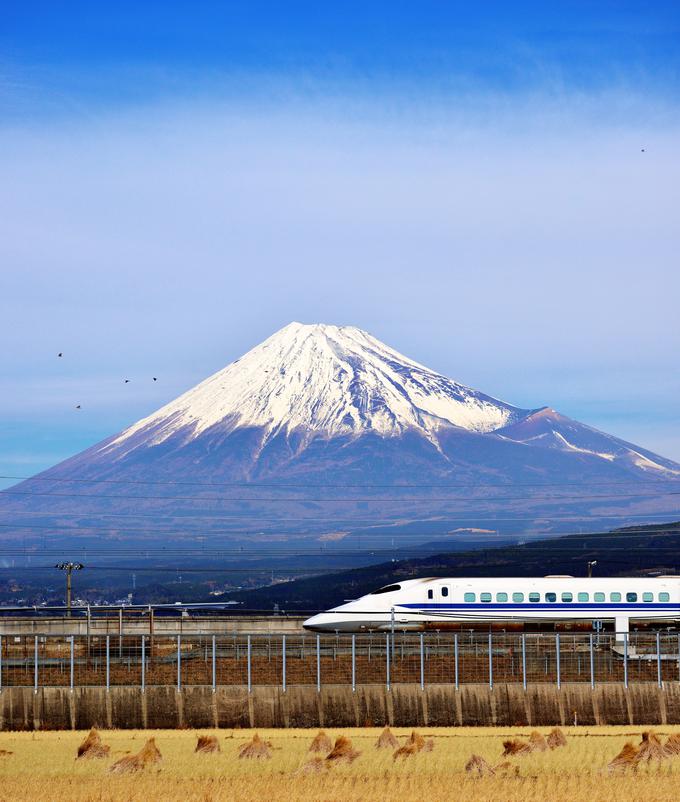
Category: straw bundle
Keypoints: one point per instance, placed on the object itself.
(315, 765)
(537, 742)
(406, 751)
(92, 747)
(5, 752)
(387, 740)
(626, 758)
(672, 745)
(417, 740)
(343, 751)
(148, 755)
(650, 748)
(515, 746)
(477, 766)
(556, 738)
(256, 749)
(207, 744)
(321, 743)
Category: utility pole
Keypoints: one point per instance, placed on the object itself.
(591, 563)
(69, 568)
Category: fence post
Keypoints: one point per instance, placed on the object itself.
(143, 663)
(659, 678)
(250, 685)
(179, 662)
(283, 660)
(73, 649)
(214, 666)
(455, 660)
(422, 663)
(490, 664)
(35, 665)
(354, 663)
(318, 663)
(625, 660)
(108, 666)
(387, 663)
(524, 661)
(592, 663)
(557, 661)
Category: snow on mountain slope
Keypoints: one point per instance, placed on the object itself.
(547, 428)
(325, 381)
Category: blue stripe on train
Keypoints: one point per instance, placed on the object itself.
(661, 606)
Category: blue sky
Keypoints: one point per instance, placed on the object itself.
(465, 181)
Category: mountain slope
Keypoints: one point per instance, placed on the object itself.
(350, 438)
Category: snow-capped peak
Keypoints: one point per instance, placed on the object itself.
(326, 381)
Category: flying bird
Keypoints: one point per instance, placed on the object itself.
(127, 381)
(642, 150)
(155, 379)
(77, 406)
(60, 354)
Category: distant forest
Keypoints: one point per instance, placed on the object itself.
(632, 551)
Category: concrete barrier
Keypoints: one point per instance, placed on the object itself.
(200, 707)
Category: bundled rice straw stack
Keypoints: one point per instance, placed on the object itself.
(321, 743)
(256, 749)
(556, 738)
(315, 765)
(343, 751)
(515, 746)
(672, 745)
(537, 742)
(627, 758)
(207, 744)
(414, 744)
(650, 748)
(477, 766)
(148, 755)
(92, 747)
(387, 740)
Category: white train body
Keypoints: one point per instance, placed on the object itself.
(418, 604)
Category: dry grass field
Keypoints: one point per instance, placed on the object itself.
(42, 766)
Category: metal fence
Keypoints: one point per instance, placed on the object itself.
(377, 658)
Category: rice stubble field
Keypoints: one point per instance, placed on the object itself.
(42, 766)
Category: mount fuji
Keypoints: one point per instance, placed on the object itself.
(322, 432)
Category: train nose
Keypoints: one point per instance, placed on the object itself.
(323, 622)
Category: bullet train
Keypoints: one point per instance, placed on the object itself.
(421, 604)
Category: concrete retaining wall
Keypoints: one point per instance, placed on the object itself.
(337, 706)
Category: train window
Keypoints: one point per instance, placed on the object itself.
(470, 597)
(430, 594)
(551, 597)
(567, 597)
(631, 597)
(615, 597)
(501, 597)
(583, 597)
(598, 597)
(445, 590)
(534, 597)
(664, 597)
(518, 597)
(647, 597)
(386, 589)
(485, 597)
